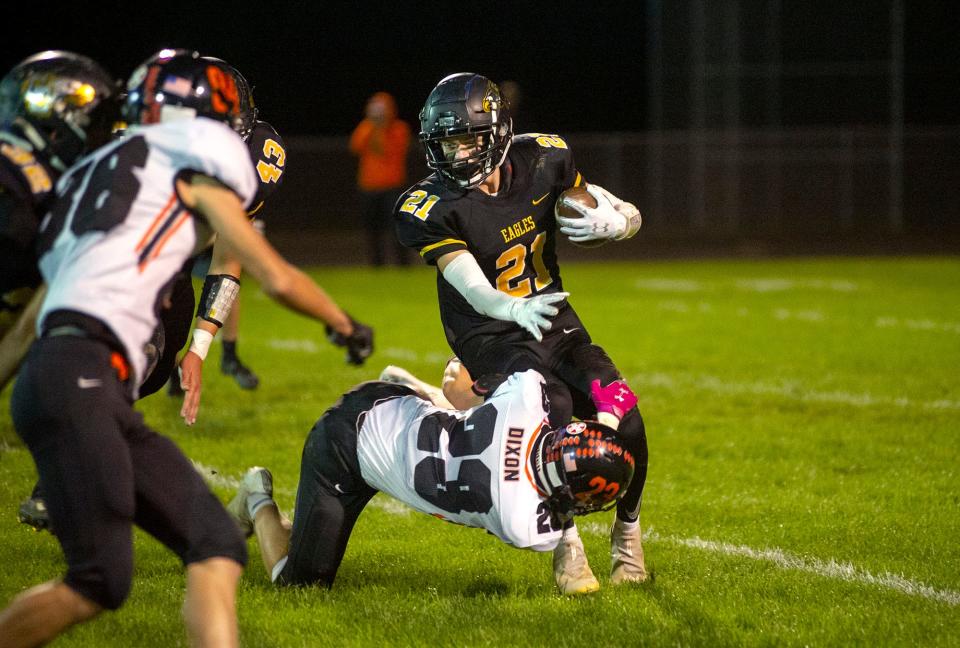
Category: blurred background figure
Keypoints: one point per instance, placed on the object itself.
(381, 142)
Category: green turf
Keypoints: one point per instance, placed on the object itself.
(808, 408)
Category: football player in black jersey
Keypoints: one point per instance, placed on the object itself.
(54, 105)
(485, 219)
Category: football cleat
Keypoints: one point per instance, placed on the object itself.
(256, 482)
(240, 372)
(626, 555)
(571, 571)
(33, 513)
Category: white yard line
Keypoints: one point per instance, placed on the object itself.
(789, 391)
(784, 560)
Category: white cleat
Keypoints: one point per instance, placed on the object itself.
(571, 571)
(626, 555)
(256, 481)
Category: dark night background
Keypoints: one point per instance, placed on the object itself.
(737, 126)
(580, 66)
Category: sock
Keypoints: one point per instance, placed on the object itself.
(570, 534)
(230, 350)
(628, 527)
(256, 501)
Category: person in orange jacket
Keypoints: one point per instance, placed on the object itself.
(381, 142)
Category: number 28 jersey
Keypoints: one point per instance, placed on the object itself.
(512, 235)
(468, 467)
(117, 232)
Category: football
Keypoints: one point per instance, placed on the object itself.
(563, 208)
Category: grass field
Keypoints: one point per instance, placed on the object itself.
(803, 418)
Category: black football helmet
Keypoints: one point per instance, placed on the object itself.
(64, 103)
(179, 84)
(248, 108)
(466, 104)
(585, 467)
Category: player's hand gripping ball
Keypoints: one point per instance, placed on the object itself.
(564, 209)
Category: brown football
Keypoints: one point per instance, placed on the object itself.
(563, 208)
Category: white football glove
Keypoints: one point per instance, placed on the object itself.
(611, 219)
(532, 312)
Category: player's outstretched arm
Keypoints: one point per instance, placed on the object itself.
(220, 290)
(462, 271)
(281, 281)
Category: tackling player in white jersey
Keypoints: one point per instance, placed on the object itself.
(125, 220)
(497, 466)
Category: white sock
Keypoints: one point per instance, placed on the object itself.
(628, 527)
(256, 501)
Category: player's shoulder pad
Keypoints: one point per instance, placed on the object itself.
(429, 197)
(209, 147)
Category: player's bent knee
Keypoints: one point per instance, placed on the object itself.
(105, 587)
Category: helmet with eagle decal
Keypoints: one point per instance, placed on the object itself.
(468, 110)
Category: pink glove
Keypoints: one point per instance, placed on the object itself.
(616, 398)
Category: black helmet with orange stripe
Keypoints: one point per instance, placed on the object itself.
(180, 84)
(584, 467)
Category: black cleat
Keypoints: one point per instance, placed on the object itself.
(240, 372)
(33, 512)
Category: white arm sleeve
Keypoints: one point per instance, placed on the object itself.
(464, 274)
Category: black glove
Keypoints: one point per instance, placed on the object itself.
(359, 344)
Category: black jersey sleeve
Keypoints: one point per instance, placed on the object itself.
(425, 220)
(559, 157)
(269, 157)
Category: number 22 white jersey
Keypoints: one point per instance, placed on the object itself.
(468, 467)
(117, 232)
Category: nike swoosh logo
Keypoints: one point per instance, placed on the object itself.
(338, 489)
(88, 383)
(567, 331)
(540, 199)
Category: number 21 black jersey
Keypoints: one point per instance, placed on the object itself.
(512, 235)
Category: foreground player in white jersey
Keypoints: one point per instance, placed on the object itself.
(496, 466)
(126, 218)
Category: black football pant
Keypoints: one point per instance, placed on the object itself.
(103, 470)
(331, 493)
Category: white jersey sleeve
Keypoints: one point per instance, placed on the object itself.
(471, 467)
(190, 147)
